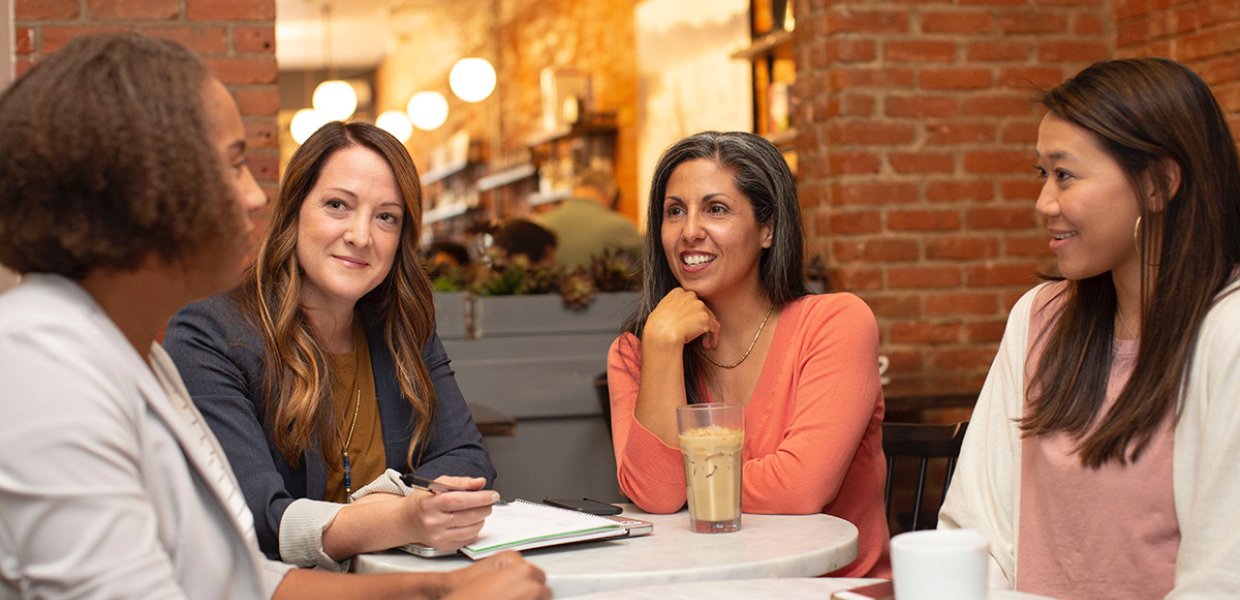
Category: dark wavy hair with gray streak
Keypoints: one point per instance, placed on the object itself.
(760, 172)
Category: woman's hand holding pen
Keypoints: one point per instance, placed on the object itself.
(449, 520)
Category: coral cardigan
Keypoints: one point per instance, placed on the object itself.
(813, 428)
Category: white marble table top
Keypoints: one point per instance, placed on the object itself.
(797, 587)
(767, 546)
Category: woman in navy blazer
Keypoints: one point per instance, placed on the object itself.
(322, 370)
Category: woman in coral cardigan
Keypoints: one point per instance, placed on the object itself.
(726, 316)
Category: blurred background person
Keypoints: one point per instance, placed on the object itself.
(525, 238)
(586, 222)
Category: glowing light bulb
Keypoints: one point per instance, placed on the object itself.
(335, 100)
(472, 79)
(396, 123)
(305, 122)
(428, 110)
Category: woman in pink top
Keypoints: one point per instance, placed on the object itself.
(726, 316)
(1100, 461)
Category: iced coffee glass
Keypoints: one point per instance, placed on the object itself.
(711, 437)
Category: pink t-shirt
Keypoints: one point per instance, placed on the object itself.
(1094, 533)
(813, 428)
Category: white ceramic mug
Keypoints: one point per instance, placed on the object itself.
(883, 364)
(945, 564)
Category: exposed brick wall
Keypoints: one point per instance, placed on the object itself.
(1204, 34)
(915, 150)
(235, 37)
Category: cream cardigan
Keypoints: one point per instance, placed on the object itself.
(985, 491)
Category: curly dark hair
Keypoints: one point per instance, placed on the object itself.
(106, 160)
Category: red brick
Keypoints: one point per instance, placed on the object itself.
(261, 133)
(265, 165)
(923, 220)
(1125, 9)
(997, 161)
(853, 222)
(1001, 218)
(875, 250)
(923, 277)
(1032, 22)
(1219, 70)
(870, 193)
(906, 361)
(1027, 245)
(995, 2)
(1087, 24)
(202, 40)
(1213, 13)
(886, 78)
(1210, 43)
(1030, 78)
(919, 51)
(23, 40)
(921, 162)
(244, 70)
(916, 332)
(255, 40)
(54, 37)
(998, 51)
(848, 50)
(853, 279)
(1000, 275)
(956, 79)
(45, 10)
(1132, 32)
(956, 191)
(134, 9)
(956, 132)
(957, 21)
(960, 303)
(957, 360)
(870, 132)
(258, 101)
(984, 331)
(1020, 132)
(852, 163)
(230, 10)
(998, 105)
(892, 306)
(1073, 51)
(1022, 189)
(921, 106)
(962, 248)
(847, 20)
(856, 105)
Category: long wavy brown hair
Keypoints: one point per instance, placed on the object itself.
(298, 382)
(1142, 112)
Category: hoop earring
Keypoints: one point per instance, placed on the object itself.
(1136, 242)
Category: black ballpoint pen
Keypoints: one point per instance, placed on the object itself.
(436, 487)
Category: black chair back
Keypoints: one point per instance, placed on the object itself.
(604, 397)
(923, 441)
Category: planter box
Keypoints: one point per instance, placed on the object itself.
(545, 314)
(534, 359)
(450, 315)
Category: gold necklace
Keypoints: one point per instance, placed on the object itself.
(752, 343)
(348, 479)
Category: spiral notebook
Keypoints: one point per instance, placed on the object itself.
(521, 525)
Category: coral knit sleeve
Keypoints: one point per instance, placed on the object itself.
(813, 428)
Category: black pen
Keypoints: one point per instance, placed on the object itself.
(436, 487)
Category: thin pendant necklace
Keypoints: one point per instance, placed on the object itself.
(1124, 323)
(752, 343)
(348, 479)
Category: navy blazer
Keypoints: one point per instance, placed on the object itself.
(221, 358)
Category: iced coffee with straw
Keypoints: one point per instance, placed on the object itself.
(711, 439)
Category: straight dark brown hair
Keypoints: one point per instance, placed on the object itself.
(1143, 113)
(760, 172)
